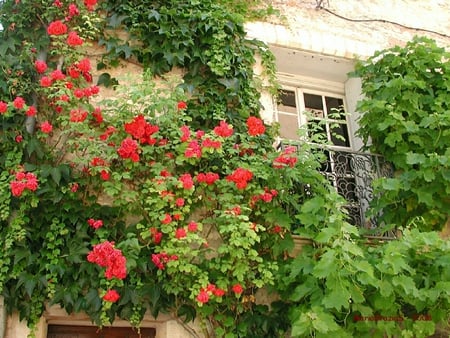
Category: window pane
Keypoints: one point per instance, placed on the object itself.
(286, 102)
(339, 134)
(334, 108)
(288, 126)
(313, 101)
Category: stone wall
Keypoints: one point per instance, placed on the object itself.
(386, 23)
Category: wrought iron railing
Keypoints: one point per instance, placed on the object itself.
(352, 174)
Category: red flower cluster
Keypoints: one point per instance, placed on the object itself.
(57, 28)
(285, 159)
(181, 105)
(129, 149)
(98, 162)
(105, 255)
(266, 196)
(240, 177)
(223, 129)
(73, 11)
(167, 219)
(18, 102)
(111, 296)
(46, 127)
(23, 181)
(78, 115)
(208, 143)
(237, 289)
(236, 211)
(40, 66)
(192, 226)
(3, 107)
(108, 132)
(156, 235)
(161, 259)
(208, 178)
(141, 130)
(255, 126)
(186, 180)
(205, 293)
(180, 233)
(95, 223)
(90, 4)
(31, 111)
(73, 39)
(193, 150)
(186, 133)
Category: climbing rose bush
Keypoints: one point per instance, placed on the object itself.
(192, 213)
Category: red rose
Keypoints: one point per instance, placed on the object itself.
(31, 111)
(186, 180)
(18, 102)
(167, 219)
(46, 81)
(40, 66)
(105, 175)
(192, 226)
(74, 40)
(240, 177)
(179, 202)
(111, 296)
(181, 105)
(3, 107)
(46, 127)
(180, 233)
(57, 28)
(237, 289)
(203, 296)
(255, 126)
(223, 129)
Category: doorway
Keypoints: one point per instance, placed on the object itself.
(67, 331)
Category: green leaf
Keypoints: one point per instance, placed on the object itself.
(391, 184)
(325, 265)
(29, 285)
(326, 234)
(337, 299)
(106, 80)
(414, 158)
(56, 175)
(405, 283)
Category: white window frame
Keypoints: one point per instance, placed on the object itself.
(300, 85)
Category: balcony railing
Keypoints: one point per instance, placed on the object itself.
(352, 174)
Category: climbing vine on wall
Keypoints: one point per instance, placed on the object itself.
(169, 196)
(406, 117)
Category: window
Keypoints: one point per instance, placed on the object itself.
(323, 113)
(350, 172)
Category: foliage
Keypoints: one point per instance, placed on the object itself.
(343, 287)
(169, 197)
(206, 39)
(406, 118)
(130, 206)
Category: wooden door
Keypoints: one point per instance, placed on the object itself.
(67, 331)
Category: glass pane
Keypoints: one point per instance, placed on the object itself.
(286, 102)
(288, 126)
(314, 105)
(335, 108)
(339, 134)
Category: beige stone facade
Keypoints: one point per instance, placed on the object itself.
(316, 43)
